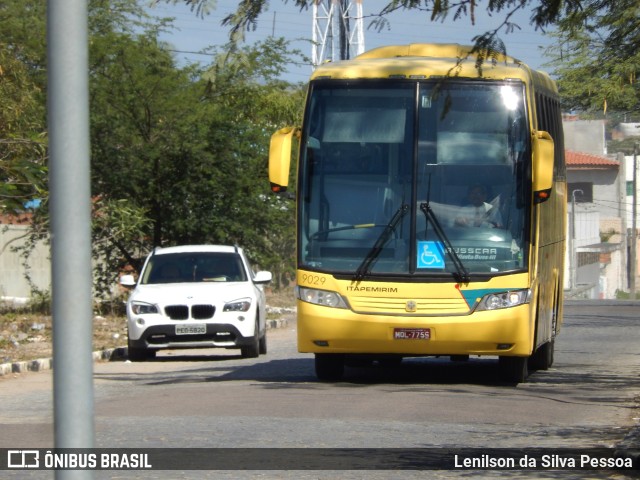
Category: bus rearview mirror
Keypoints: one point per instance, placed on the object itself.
(542, 168)
(280, 158)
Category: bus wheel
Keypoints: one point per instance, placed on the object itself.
(542, 359)
(329, 366)
(514, 369)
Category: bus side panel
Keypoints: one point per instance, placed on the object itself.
(550, 265)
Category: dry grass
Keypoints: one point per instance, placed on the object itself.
(28, 336)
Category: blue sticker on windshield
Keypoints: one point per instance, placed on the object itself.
(430, 255)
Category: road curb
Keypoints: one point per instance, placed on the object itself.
(109, 354)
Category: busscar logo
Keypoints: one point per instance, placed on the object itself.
(23, 459)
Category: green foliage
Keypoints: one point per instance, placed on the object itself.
(179, 155)
(145, 119)
(117, 241)
(597, 59)
(622, 295)
(22, 117)
(23, 36)
(187, 149)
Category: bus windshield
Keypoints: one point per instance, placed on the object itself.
(377, 157)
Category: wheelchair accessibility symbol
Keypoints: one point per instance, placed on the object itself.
(430, 255)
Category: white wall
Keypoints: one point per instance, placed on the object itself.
(12, 280)
(587, 227)
(613, 275)
(629, 178)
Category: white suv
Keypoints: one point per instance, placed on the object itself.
(196, 296)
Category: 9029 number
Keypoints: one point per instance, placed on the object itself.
(309, 279)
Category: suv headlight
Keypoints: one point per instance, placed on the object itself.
(142, 308)
(321, 297)
(494, 301)
(242, 305)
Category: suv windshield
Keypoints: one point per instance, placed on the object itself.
(371, 150)
(194, 267)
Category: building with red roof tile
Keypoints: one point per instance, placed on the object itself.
(580, 160)
(597, 246)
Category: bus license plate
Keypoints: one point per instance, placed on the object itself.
(191, 329)
(411, 333)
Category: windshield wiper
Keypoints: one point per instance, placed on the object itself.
(462, 272)
(364, 267)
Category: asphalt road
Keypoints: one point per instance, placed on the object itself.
(213, 398)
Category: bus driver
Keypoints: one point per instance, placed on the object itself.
(478, 213)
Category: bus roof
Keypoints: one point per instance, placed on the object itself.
(430, 60)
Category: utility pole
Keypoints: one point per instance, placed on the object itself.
(70, 196)
(338, 30)
(634, 232)
(573, 257)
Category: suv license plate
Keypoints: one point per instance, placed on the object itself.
(411, 333)
(191, 329)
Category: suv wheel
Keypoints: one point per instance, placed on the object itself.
(253, 349)
(139, 354)
(263, 343)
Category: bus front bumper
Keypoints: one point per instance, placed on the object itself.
(504, 332)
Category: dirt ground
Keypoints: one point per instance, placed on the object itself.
(28, 336)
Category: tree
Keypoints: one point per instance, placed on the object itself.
(597, 59)
(22, 117)
(22, 138)
(188, 146)
(250, 104)
(145, 117)
(179, 155)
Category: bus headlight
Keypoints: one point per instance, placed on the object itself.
(321, 297)
(494, 301)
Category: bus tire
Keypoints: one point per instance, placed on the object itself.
(329, 366)
(390, 361)
(514, 369)
(542, 359)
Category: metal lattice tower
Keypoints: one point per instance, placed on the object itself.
(338, 32)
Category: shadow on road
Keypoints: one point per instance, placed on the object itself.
(299, 373)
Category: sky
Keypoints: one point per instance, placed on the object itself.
(285, 20)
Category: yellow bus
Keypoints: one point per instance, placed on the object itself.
(431, 210)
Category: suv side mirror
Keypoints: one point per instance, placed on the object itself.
(262, 278)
